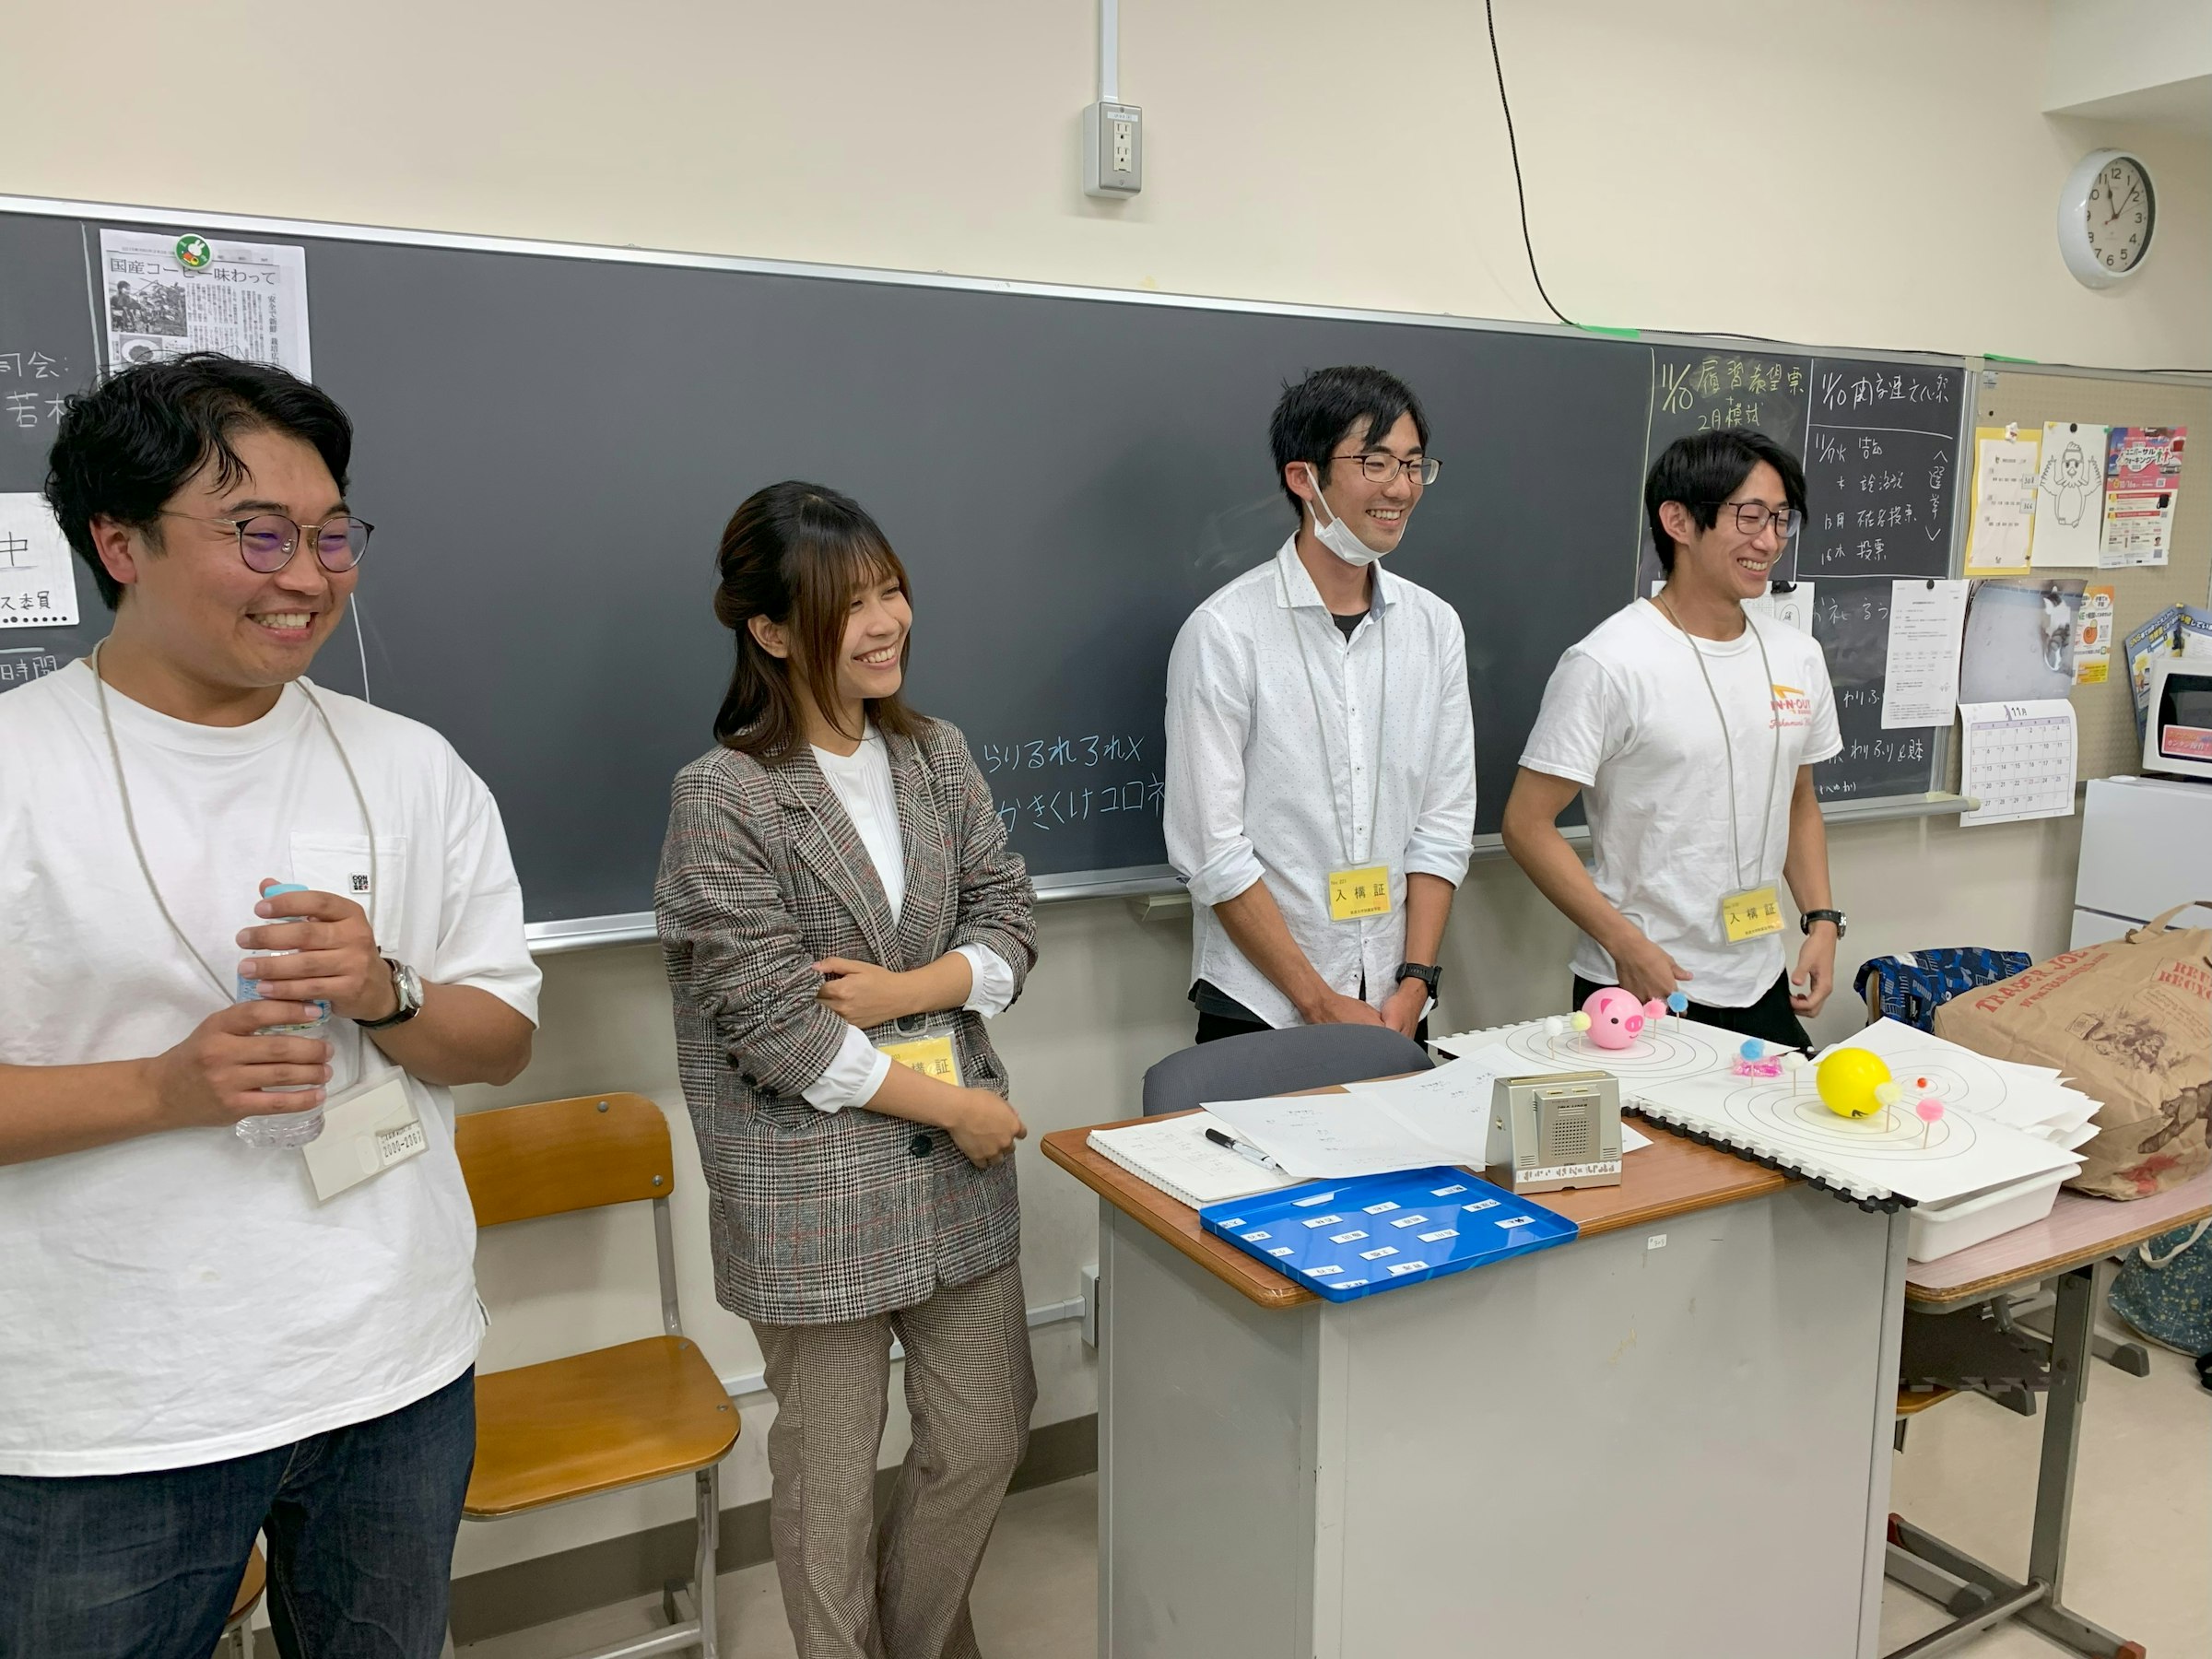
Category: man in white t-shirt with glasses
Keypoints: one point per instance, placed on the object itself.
(204, 1336)
(1690, 728)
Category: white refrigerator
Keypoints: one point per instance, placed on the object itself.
(2145, 846)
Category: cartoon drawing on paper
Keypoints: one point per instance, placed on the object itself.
(2071, 480)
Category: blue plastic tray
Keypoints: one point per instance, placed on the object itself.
(1344, 1239)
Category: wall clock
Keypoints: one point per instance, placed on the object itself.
(2107, 214)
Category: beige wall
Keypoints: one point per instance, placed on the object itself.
(1871, 174)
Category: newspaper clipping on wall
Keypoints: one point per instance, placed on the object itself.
(169, 292)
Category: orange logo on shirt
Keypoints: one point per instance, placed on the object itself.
(1793, 706)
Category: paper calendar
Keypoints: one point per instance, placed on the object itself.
(2018, 759)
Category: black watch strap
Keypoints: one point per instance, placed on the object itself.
(1806, 920)
(1426, 972)
(409, 989)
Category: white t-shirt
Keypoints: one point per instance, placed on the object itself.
(1628, 717)
(180, 1298)
(862, 783)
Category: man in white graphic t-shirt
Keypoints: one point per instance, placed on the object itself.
(1691, 729)
(206, 1337)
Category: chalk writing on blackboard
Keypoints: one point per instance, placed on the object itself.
(1035, 754)
(25, 404)
(21, 664)
(1051, 810)
(1864, 390)
(1878, 464)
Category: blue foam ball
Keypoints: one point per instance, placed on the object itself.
(1676, 1002)
(1753, 1049)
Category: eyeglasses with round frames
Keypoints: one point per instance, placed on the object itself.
(1751, 517)
(266, 541)
(1381, 469)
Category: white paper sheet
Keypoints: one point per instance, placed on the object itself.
(245, 299)
(1173, 1154)
(1921, 686)
(1451, 1106)
(2069, 496)
(38, 575)
(1433, 1117)
(1329, 1136)
(2018, 759)
(2004, 473)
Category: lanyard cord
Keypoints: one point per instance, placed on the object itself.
(130, 820)
(1321, 725)
(1766, 823)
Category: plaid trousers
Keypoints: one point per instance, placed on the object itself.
(855, 1590)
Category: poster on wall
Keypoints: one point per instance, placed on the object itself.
(2142, 477)
(2005, 495)
(166, 292)
(2093, 638)
(2069, 495)
(38, 577)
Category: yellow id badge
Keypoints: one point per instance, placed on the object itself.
(1751, 915)
(932, 1056)
(1357, 893)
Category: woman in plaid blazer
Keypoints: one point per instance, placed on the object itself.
(838, 913)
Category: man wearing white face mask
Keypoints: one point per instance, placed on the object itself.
(1319, 792)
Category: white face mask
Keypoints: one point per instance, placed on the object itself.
(1336, 535)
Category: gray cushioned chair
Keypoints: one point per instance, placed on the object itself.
(1270, 1063)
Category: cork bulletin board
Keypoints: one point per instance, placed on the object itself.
(2104, 713)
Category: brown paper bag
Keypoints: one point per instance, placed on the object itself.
(2129, 1023)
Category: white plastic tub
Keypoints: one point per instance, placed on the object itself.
(1935, 1231)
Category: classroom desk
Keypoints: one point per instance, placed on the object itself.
(1670, 1437)
(2065, 1247)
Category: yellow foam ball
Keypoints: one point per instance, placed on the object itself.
(1847, 1080)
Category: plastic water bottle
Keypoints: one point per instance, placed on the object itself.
(291, 1128)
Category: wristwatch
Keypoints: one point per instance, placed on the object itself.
(1805, 922)
(408, 985)
(1426, 972)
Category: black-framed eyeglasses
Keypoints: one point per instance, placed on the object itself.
(1751, 517)
(1382, 469)
(266, 541)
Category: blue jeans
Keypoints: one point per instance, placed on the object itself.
(360, 1524)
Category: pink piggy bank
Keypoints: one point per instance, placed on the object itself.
(1617, 1018)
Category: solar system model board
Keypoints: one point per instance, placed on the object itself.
(1925, 1144)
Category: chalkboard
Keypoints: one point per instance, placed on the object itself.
(1880, 442)
(549, 441)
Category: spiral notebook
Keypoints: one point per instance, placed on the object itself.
(1174, 1156)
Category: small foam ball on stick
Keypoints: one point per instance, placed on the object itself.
(1753, 1049)
(1677, 1004)
(1794, 1064)
(1929, 1109)
(1581, 1022)
(1888, 1094)
(1554, 1025)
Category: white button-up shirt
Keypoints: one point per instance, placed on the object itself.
(1256, 790)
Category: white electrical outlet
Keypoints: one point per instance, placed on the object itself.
(1113, 149)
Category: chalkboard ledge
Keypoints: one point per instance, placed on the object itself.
(1136, 881)
(635, 927)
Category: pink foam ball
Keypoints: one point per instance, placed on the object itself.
(1929, 1109)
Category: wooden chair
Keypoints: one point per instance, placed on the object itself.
(234, 1642)
(615, 1417)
